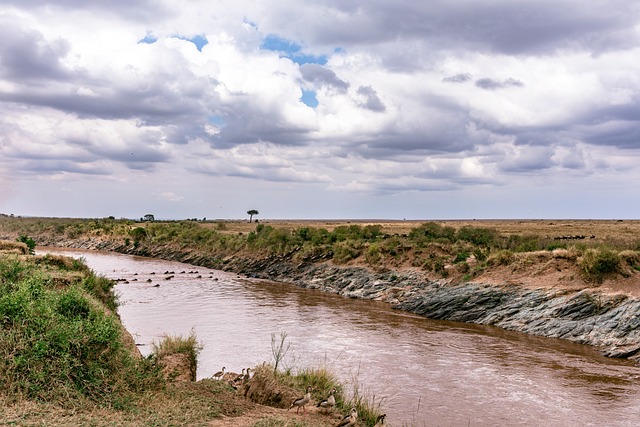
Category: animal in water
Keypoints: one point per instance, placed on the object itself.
(219, 374)
(302, 401)
(329, 402)
(349, 420)
(380, 420)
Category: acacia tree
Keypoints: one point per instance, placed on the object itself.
(251, 213)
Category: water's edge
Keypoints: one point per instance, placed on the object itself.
(608, 322)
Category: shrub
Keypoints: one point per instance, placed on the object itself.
(373, 255)
(31, 244)
(478, 235)
(346, 251)
(502, 257)
(595, 264)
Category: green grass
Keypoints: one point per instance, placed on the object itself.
(60, 342)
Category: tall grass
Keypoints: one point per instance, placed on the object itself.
(60, 344)
(187, 346)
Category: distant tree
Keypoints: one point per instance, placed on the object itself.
(148, 217)
(251, 213)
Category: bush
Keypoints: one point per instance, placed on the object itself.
(478, 235)
(502, 257)
(31, 244)
(596, 264)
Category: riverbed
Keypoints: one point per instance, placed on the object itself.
(423, 372)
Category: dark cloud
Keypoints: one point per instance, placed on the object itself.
(371, 100)
(458, 78)
(139, 10)
(528, 159)
(318, 74)
(245, 123)
(57, 166)
(490, 84)
(25, 55)
(515, 28)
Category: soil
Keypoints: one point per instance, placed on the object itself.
(261, 412)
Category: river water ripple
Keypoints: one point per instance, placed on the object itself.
(424, 372)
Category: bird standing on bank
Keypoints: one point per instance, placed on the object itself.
(219, 374)
(349, 420)
(302, 401)
(329, 402)
(380, 420)
(239, 377)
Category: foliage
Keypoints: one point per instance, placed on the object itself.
(59, 343)
(31, 244)
(595, 264)
(251, 213)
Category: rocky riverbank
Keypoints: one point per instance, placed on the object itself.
(608, 321)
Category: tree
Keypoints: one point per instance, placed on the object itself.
(148, 217)
(251, 213)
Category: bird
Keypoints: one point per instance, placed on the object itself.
(380, 420)
(219, 374)
(239, 377)
(246, 377)
(329, 402)
(301, 401)
(349, 420)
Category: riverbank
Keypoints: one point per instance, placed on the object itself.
(545, 305)
(583, 292)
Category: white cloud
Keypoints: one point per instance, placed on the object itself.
(411, 98)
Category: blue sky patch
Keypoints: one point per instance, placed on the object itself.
(200, 41)
(217, 121)
(309, 98)
(148, 39)
(292, 50)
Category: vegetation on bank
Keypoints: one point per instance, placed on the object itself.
(442, 251)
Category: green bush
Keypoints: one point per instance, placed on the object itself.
(595, 264)
(31, 244)
(478, 235)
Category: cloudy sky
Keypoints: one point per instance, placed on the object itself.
(436, 109)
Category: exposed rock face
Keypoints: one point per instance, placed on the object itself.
(609, 322)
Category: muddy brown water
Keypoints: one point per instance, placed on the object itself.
(423, 372)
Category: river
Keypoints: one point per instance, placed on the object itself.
(422, 372)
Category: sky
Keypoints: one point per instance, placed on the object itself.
(336, 109)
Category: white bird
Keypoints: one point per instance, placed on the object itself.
(349, 420)
(329, 402)
(219, 374)
(302, 401)
(380, 420)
